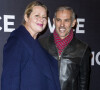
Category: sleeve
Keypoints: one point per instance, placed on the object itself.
(85, 71)
(10, 79)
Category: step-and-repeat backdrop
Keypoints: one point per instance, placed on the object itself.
(88, 28)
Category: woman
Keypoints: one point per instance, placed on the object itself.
(26, 66)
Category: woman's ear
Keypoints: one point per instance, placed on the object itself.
(25, 18)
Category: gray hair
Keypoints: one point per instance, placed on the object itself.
(65, 8)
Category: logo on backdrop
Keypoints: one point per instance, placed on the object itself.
(9, 21)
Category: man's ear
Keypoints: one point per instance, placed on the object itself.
(74, 23)
(54, 21)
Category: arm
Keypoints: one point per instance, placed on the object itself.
(11, 66)
(85, 71)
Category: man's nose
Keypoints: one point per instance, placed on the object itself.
(62, 23)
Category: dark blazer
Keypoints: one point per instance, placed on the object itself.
(26, 66)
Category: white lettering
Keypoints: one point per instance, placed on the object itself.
(51, 27)
(80, 26)
(92, 59)
(7, 23)
(95, 58)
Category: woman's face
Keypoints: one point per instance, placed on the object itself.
(37, 20)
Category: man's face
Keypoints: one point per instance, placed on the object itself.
(63, 23)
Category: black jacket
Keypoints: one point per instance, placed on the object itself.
(74, 63)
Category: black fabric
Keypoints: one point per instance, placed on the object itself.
(74, 65)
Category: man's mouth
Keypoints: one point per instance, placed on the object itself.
(62, 30)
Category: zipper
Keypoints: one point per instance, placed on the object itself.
(59, 57)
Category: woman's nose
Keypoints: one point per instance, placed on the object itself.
(41, 19)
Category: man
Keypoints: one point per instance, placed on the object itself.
(72, 54)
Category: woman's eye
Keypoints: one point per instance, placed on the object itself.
(45, 17)
(37, 15)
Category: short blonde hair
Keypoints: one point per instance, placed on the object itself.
(29, 8)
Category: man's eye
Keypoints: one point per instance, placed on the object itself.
(57, 19)
(67, 20)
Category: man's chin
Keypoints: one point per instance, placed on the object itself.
(62, 36)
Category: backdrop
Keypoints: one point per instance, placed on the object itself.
(88, 18)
